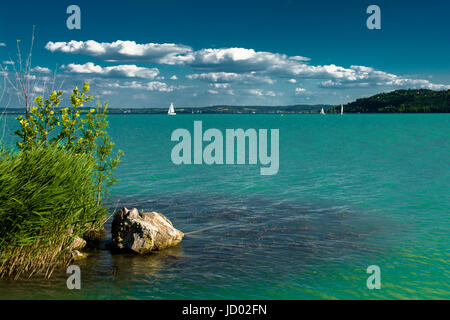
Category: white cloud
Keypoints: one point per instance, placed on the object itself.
(239, 60)
(163, 53)
(300, 90)
(257, 65)
(159, 86)
(416, 83)
(149, 86)
(259, 92)
(38, 89)
(41, 69)
(225, 77)
(299, 58)
(240, 64)
(368, 77)
(174, 77)
(220, 85)
(213, 91)
(119, 71)
(256, 92)
(107, 92)
(2, 44)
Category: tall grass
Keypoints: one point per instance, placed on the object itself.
(46, 199)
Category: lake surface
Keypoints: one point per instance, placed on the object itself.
(351, 191)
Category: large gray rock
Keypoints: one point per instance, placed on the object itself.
(143, 232)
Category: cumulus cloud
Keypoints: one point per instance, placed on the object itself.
(159, 86)
(416, 83)
(163, 53)
(243, 65)
(259, 92)
(300, 90)
(174, 77)
(300, 58)
(107, 92)
(361, 76)
(41, 69)
(149, 86)
(238, 60)
(30, 76)
(119, 71)
(244, 61)
(225, 77)
(220, 85)
(2, 44)
(265, 63)
(38, 89)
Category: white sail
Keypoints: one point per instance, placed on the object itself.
(322, 111)
(342, 109)
(171, 110)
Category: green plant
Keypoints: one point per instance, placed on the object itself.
(35, 129)
(71, 121)
(47, 197)
(77, 130)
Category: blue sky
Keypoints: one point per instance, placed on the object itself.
(199, 53)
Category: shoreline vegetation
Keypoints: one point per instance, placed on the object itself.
(47, 202)
(398, 101)
(52, 189)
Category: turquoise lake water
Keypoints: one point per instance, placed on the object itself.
(351, 191)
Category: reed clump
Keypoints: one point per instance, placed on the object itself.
(53, 189)
(47, 198)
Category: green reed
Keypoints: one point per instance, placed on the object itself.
(47, 198)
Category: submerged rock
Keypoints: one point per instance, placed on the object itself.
(77, 255)
(143, 232)
(78, 243)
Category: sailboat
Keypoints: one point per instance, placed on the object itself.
(322, 111)
(171, 111)
(342, 109)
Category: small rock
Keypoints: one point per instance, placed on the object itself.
(77, 255)
(143, 232)
(78, 243)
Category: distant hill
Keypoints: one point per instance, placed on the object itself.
(226, 109)
(400, 101)
(253, 109)
(220, 109)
